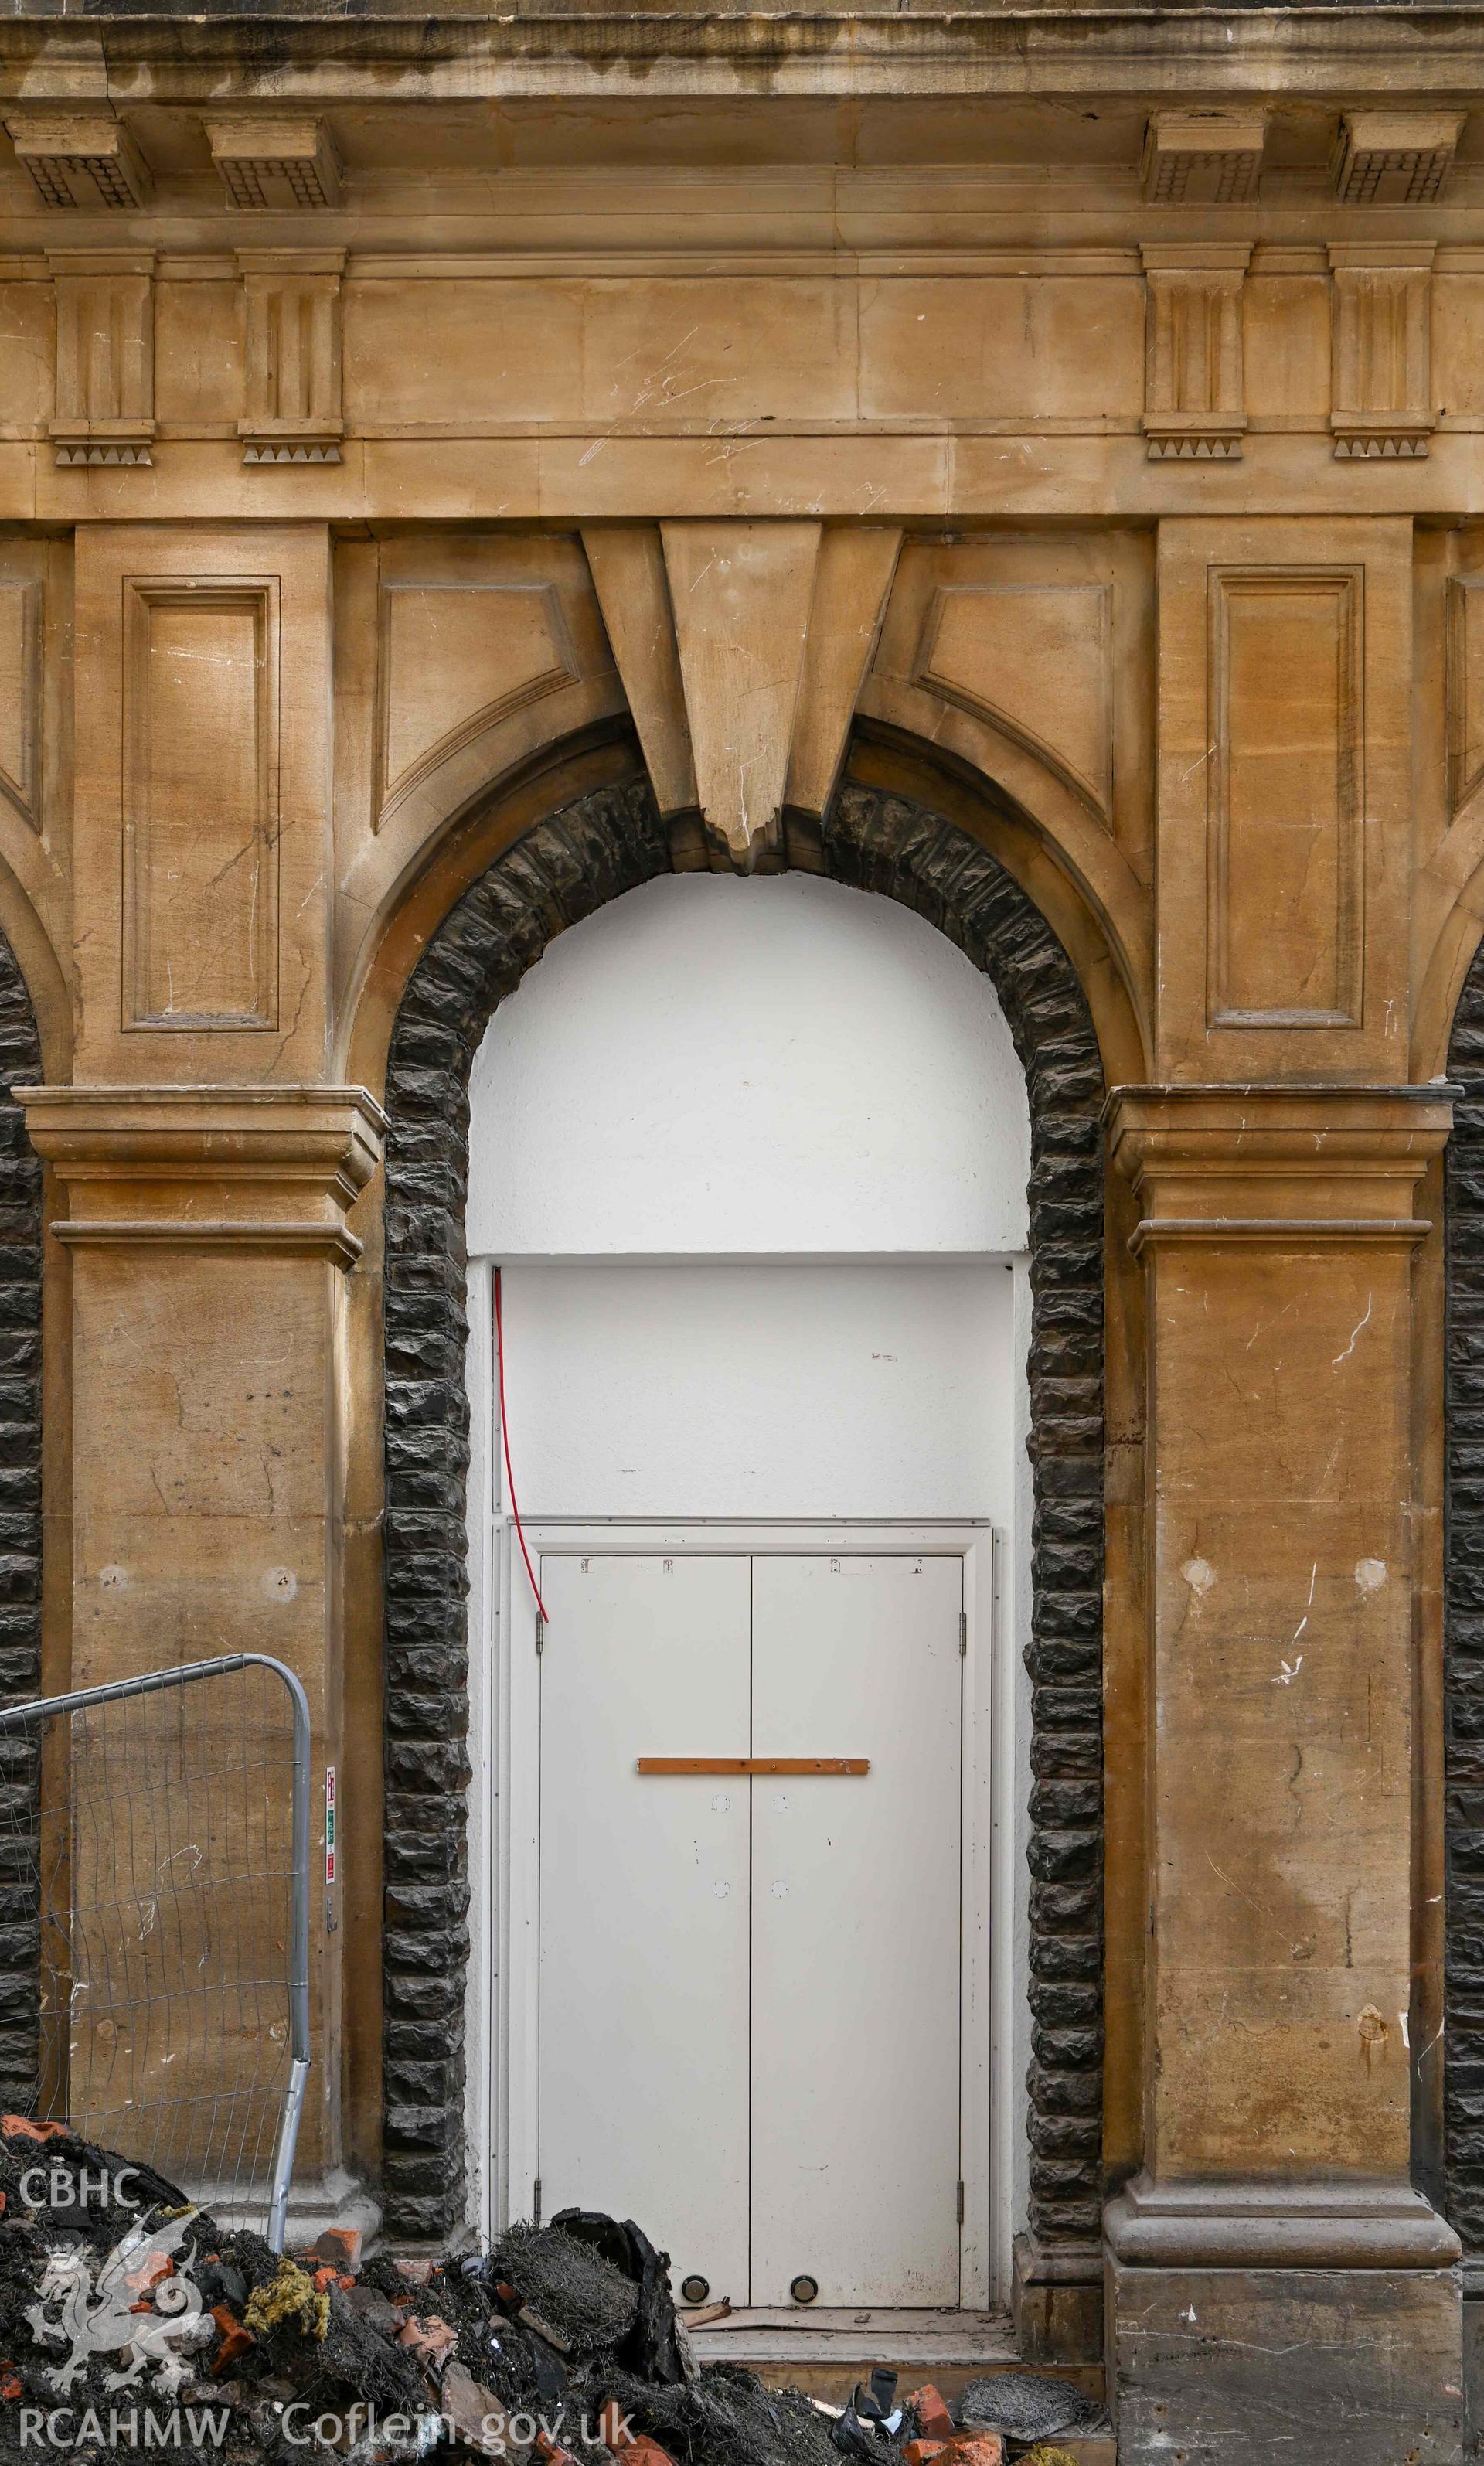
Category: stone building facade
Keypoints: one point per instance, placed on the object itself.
(454, 469)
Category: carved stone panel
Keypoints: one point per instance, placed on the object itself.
(200, 809)
(996, 648)
(201, 857)
(20, 697)
(1286, 876)
(1285, 800)
(1464, 687)
(455, 655)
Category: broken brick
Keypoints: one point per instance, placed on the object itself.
(544, 2329)
(431, 2340)
(21, 2127)
(235, 2340)
(340, 2246)
(917, 2452)
(149, 2273)
(636, 2448)
(930, 2407)
(974, 2448)
(12, 2386)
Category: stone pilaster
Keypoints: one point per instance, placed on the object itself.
(208, 1241)
(1272, 2261)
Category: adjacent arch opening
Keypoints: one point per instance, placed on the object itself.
(558, 872)
(20, 1483)
(1462, 1986)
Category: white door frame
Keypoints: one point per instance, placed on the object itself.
(510, 2102)
(503, 2006)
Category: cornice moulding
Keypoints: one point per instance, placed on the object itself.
(1206, 57)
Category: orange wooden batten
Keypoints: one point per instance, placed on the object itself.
(842, 1767)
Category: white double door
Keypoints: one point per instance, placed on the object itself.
(750, 1979)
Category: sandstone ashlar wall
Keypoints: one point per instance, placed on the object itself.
(1097, 475)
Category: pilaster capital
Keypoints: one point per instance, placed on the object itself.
(231, 1168)
(1289, 1165)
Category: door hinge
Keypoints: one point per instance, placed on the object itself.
(963, 1631)
(540, 1632)
(535, 2202)
(959, 2202)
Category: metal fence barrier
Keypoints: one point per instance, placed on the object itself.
(154, 1923)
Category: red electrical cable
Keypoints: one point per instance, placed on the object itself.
(505, 1441)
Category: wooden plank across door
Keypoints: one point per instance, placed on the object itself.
(824, 1767)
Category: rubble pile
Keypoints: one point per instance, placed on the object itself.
(129, 2320)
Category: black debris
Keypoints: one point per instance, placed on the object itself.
(559, 2347)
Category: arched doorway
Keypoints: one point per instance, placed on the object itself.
(752, 1157)
(555, 874)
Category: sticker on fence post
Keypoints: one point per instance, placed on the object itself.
(329, 1847)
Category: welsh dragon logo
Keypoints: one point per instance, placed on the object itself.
(100, 2317)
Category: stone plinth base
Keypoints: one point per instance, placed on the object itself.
(315, 2202)
(1244, 2367)
(1472, 2360)
(1056, 2302)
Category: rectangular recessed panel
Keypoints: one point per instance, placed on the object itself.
(20, 693)
(856, 1931)
(1287, 841)
(200, 807)
(643, 1993)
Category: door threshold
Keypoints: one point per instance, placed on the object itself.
(826, 2349)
